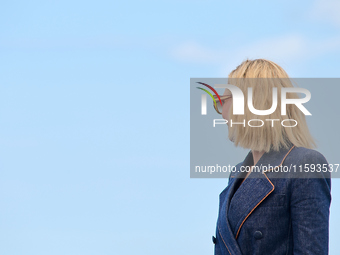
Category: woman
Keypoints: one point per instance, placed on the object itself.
(274, 203)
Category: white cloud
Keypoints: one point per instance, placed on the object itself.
(327, 10)
(286, 46)
(287, 49)
(194, 52)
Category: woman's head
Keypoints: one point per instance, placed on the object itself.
(262, 76)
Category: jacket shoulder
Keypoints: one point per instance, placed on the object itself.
(307, 163)
(305, 155)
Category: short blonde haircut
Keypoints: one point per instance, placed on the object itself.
(263, 76)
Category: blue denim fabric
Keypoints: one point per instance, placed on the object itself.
(275, 212)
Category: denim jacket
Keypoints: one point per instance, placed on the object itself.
(273, 212)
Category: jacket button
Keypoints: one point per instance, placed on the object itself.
(214, 239)
(258, 235)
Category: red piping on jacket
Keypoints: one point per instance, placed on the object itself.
(238, 231)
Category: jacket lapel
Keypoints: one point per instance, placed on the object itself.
(253, 191)
(236, 208)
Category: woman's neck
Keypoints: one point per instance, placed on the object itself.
(257, 155)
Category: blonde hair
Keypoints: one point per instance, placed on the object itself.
(262, 76)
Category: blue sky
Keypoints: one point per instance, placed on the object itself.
(94, 108)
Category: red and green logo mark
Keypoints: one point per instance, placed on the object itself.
(210, 93)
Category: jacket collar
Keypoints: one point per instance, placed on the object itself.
(269, 161)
